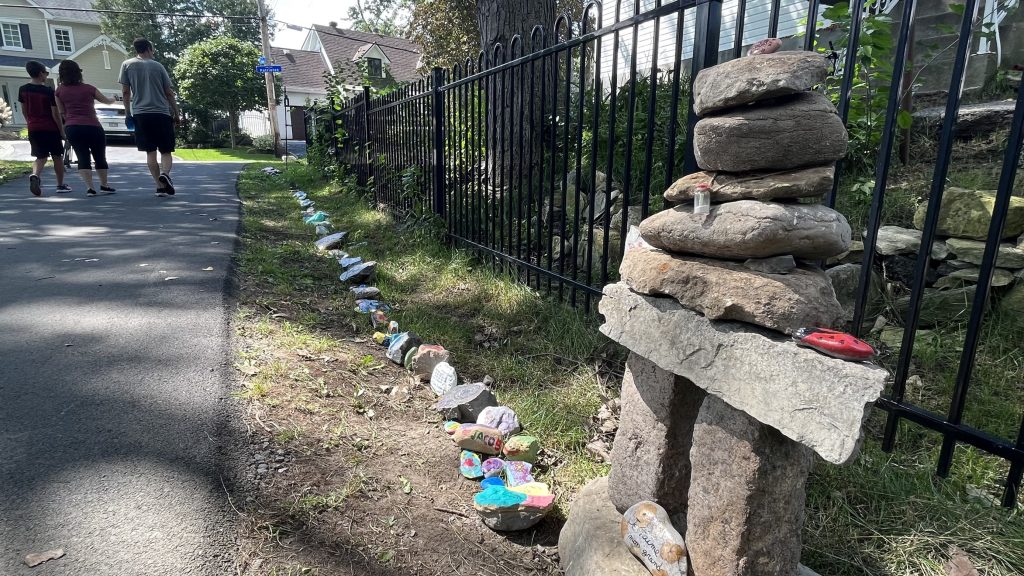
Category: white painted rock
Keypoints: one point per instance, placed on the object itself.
(650, 536)
(501, 417)
(443, 378)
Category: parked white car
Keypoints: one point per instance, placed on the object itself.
(111, 116)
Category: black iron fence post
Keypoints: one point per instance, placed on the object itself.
(364, 171)
(437, 101)
(705, 54)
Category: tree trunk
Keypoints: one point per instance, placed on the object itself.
(233, 125)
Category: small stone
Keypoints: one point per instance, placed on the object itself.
(501, 417)
(401, 392)
(349, 261)
(477, 438)
(378, 318)
(401, 345)
(33, 560)
(364, 272)
(766, 46)
(322, 230)
(795, 132)
(757, 78)
(470, 465)
(893, 240)
(493, 467)
(407, 361)
(725, 187)
(504, 510)
(650, 536)
(468, 400)
(451, 426)
(443, 378)
(532, 489)
(523, 448)
(774, 265)
(517, 473)
(1009, 255)
(364, 291)
(968, 213)
(1000, 277)
(492, 481)
(426, 359)
(750, 229)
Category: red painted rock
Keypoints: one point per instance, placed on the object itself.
(482, 439)
(766, 46)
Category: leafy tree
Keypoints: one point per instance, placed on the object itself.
(446, 31)
(172, 35)
(218, 74)
(385, 17)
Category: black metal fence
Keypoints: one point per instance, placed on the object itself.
(541, 154)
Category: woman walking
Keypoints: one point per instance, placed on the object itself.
(75, 102)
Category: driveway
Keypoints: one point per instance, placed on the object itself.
(115, 378)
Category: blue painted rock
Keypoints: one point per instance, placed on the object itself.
(349, 261)
(364, 272)
(517, 473)
(479, 438)
(464, 403)
(469, 465)
(501, 417)
(401, 345)
(650, 536)
(492, 481)
(317, 217)
(426, 359)
(451, 426)
(492, 467)
(504, 510)
(299, 194)
(364, 291)
(365, 306)
(523, 448)
(443, 378)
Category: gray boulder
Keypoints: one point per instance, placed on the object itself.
(755, 78)
(799, 183)
(1010, 256)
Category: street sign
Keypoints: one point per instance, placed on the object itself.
(265, 69)
(262, 61)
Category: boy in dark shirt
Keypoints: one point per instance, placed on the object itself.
(45, 130)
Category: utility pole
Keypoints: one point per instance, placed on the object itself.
(269, 77)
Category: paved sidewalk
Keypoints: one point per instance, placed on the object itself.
(115, 426)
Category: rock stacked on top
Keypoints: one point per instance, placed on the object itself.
(767, 144)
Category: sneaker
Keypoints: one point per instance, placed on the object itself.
(34, 185)
(90, 192)
(108, 189)
(63, 188)
(168, 188)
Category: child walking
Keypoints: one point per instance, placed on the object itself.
(45, 131)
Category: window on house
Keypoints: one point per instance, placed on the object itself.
(63, 41)
(376, 68)
(11, 34)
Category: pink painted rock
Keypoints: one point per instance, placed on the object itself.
(650, 536)
(504, 510)
(477, 438)
(517, 473)
(469, 465)
(501, 417)
(766, 46)
(426, 358)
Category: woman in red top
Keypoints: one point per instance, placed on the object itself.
(75, 102)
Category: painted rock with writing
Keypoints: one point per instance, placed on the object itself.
(523, 448)
(501, 417)
(532, 489)
(364, 272)
(401, 345)
(517, 473)
(650, 536)
(504, 510)
(468, 399)
(451, 426)
(443, 378)
(427, 358)
(492, 481)
(493, 467)
(331, 241)
(477, 438)
(469, 465)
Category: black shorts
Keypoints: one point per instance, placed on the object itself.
(154, 132)
(45, 144)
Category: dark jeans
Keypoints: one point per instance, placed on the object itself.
(88, 141)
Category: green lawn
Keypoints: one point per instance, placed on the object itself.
(221, 155)
(10, 170)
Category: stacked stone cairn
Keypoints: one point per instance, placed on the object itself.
(721, 410)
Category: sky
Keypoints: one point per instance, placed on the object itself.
(305, 13)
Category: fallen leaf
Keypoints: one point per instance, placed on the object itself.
(406, 484)
(959, 564)
(34, 560)
(247, 369)
(208, 269)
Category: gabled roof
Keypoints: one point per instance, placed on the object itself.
(301, 70)
(54, 8)
(341, 46)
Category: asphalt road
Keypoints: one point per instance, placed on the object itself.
(115, 427)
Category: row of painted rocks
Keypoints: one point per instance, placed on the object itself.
(492, 450)
(743, 241)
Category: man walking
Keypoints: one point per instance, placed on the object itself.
(149, 100)
(45, 130)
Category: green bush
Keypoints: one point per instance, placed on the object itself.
(264, 144)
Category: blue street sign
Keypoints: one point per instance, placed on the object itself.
(265, 69)
(263, 60)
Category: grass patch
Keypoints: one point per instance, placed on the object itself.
(221, 155)
(9, 170)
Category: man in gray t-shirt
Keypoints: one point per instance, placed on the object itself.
(149, 102)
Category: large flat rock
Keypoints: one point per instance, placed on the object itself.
(968, 213)
(811, 398)
(801, 130)
(755, 78)
(750, 229)
(798, 183)
(723, 290)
